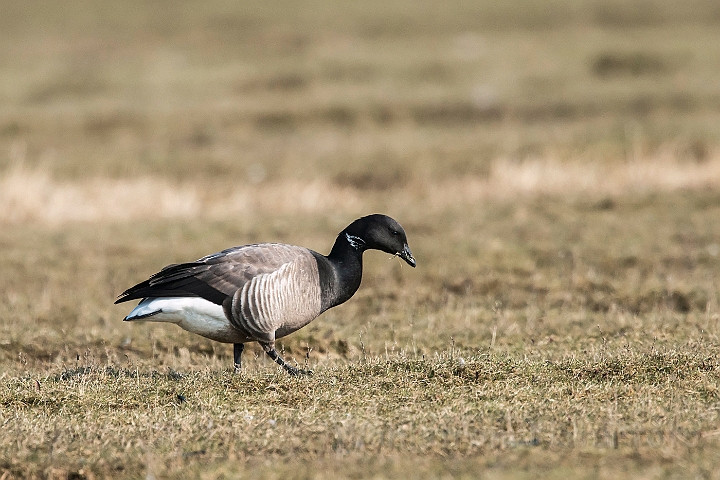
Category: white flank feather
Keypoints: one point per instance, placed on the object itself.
(193, 314)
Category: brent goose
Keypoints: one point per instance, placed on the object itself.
(262, 292)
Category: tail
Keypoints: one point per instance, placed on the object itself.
(144, 309)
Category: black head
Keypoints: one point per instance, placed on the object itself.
(379, 232)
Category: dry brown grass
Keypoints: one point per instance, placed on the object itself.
(32, 195)
(537, 334)
(556, 165)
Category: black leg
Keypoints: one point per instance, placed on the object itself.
(272, 353)
(237, 353)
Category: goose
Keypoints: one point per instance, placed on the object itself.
(265, 291)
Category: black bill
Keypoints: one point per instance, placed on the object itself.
(406, 255)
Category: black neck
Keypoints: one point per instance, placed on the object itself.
(341, 271)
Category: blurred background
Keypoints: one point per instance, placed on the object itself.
(555, 163)
(135, 134)
(368, 96)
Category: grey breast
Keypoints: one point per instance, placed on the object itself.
(278, 289)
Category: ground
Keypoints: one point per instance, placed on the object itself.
(556, 166)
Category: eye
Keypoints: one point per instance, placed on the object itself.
(394, 233)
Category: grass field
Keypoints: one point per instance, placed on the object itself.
(556, 165)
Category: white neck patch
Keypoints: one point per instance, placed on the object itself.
(355, 242)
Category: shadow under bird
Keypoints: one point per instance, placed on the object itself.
(262, 292)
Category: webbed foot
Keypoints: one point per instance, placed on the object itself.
(272, 353)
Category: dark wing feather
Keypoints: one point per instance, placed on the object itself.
(216, 276)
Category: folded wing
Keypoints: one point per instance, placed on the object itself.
(218, 276)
